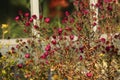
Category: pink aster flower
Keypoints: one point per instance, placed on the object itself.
(20, 65)
(27, 24)
(34, 16)
(85, 12)
(103, 40)
(36, 27)
(80, 58)
(47, 20)
(48, 47)
(17, 18)
(26, 14)
(40, 16)
(67, 13)
(89, 74)
(53, 42)
(60, 30)
(31, 19)
(71, 37)
(43, 56)
(27, 55)
(46, 53)
(109, 8)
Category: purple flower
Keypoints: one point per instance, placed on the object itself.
(17, 18)
(31, 19)
(20, 65)
(67, 13)
(27, 55)
(81, 49)
(71, 37)
(43, 56)
(94, 24)
(92, 4)
(60, 31)
(25, 30)
(46, 53)
(97, 5)
(40, 16)
(36, 27)
(48, 47)
(26, 14)
(109, 8)
(79, 28)
(68, 28)
(47, 62)
(27, 24)
(103, 40)
(108, 48)
(47, 20)
(17, 46)
(53, 42)
(72, 20)
(54, 37)
(85, 12)
(12, 48)
(89, 74)
(80, 58)
(34, 16)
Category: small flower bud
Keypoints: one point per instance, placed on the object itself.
(27, 55)
(17, 18)
(47, 20)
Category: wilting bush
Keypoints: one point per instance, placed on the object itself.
(70, 49)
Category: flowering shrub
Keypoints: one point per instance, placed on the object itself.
(69, 49)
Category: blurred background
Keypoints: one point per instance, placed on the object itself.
(9, 10)
(48, 8)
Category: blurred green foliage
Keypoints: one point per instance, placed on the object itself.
(8, 10)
